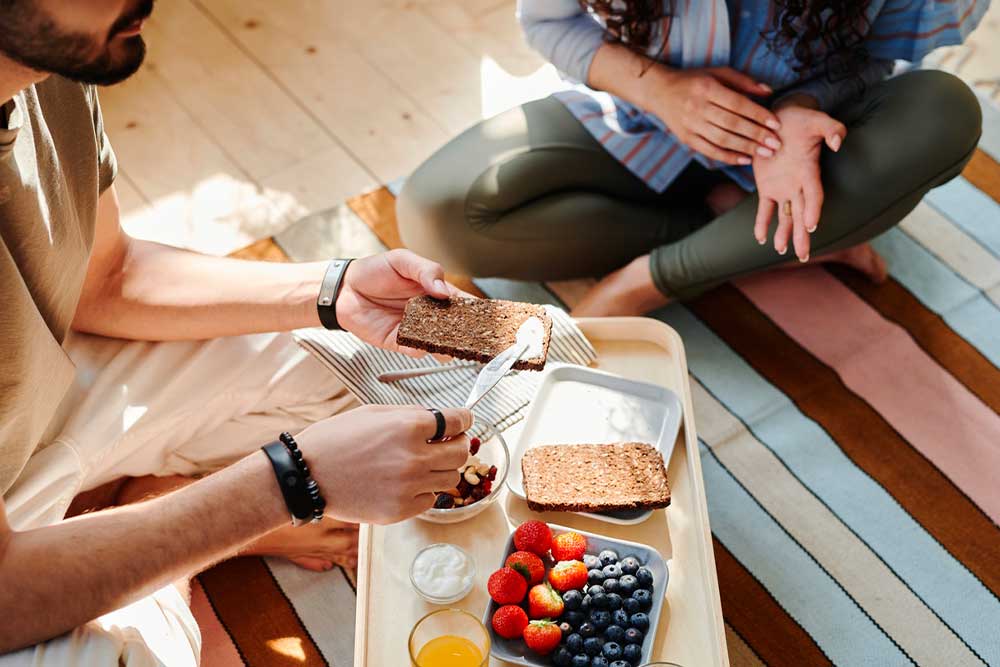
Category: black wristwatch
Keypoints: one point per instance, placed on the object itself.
(326, 302)
(301, 493)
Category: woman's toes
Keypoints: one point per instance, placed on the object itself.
(311, 563)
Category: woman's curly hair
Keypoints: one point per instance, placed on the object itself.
(827, 34)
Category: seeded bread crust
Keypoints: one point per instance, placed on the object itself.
(595, 478)
(471, 329)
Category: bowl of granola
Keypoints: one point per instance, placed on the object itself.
(477, 483)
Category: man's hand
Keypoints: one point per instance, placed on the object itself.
(790, 181)
(376, 290)
(374, 464)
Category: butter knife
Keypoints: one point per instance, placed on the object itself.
(492, 372)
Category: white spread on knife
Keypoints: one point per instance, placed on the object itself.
(532, 331)
(442, 571)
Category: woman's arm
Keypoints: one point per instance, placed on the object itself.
(828, 95)
(562, 33)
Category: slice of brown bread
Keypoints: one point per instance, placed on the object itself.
(472, 329)
(595, 478)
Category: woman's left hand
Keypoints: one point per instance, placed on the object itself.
(790, 180)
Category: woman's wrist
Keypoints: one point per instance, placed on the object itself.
(797, 100)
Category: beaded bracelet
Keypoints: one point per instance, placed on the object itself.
(311, 487)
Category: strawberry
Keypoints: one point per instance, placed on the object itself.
(509, 621)
(544, 602)
(569, 546)
(533, 536)
(542, 637)
(529, 565)
(567, 575)
(507, 586)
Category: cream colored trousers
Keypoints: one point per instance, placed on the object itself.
(183, 408)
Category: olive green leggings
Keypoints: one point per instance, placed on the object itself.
(530, 194)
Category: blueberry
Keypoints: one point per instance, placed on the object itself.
(599, 661)
(598, 601)
(644, 598)
(615, 633)
(592, 646)
(612, 571)
(565, 628)
(574, 618)
(600, 619)
(572, 599)
(585, 605)
(614, 601)
(645, 578)
(594, 590)
(595, 577)
(612, 650)
(619, 663)
(592, 562)
(574, 643)
(631, 605)
(620, 617)
(632, 653)
(562, 657)
(587, 629)
(610, 585)
(627, 584)
(639, 621)
(608, 557)
(580, 660)
(633, 636)
(629, 565)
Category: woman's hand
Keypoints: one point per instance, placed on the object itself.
(709, 110)
(376, 290)
(790, 181)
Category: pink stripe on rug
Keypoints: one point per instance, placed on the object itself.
(217, 648)
(880, 362)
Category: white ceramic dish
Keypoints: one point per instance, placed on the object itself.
(577, 405)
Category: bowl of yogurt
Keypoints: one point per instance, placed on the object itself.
(442, 573)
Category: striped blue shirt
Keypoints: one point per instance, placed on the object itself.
(707, 33)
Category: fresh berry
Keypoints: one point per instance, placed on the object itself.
(581, 660)
(565, 628)
(573, 599)
(528, 566)
(533, 536)
(562, 657)
(510, 621)
(612, 650)
(629, 565)
(568, 575)
(587, 630)
(598, 601)
(644, 577)
(608, 557)
(585, 605)
(574, 618)
(615, 633)
(601, 619)
(544, 602)
(644, 598)
(592, 562)
(574, 643)
(444, 502)
(569, 546)
(639, 621)
(599, 661)
(631, 605)
(612, 571)
(592, 646)
(492, 474)
(633, 636)
(542, 637)
(619, 663)
(595, 589)
(610, 585)
(627, 584)
(474, 444)
(614, 601)
(595, 577)
(507, 586)
(620, 617)
(632, 653)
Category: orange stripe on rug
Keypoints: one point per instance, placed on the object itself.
(258, 616)
(766, 628)
(217, 648)
(984, 173)
(922, 490)
(936, 414)
(378, 210)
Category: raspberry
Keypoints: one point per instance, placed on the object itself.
(474, 444)
(492, 474)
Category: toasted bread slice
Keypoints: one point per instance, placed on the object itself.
(595, 478)
(472, 329)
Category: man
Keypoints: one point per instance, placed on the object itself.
(78, 410)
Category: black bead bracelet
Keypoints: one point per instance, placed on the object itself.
(298, 488)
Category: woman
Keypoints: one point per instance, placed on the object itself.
(688, 107)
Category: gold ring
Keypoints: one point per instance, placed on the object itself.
(786, 208)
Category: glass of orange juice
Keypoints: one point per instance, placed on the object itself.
(449, 638)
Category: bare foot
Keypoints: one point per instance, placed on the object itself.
(861, 258)
(627, 291)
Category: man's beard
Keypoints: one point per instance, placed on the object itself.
(32, 39)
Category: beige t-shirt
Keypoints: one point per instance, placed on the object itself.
(54, 162)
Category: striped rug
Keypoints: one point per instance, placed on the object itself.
(850, 441)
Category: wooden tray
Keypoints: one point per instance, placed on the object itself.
(691, 631)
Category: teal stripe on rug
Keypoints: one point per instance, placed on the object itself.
(990, 142)
(942, 582)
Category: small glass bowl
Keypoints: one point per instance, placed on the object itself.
(492, 451)
(453, 622)
(444, 600)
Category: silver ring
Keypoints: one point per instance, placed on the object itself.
(442, 424)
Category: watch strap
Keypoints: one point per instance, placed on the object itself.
(326, 302)
(291, 481)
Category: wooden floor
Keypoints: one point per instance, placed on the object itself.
(250, 114)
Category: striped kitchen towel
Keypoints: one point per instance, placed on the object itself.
(358, 364)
